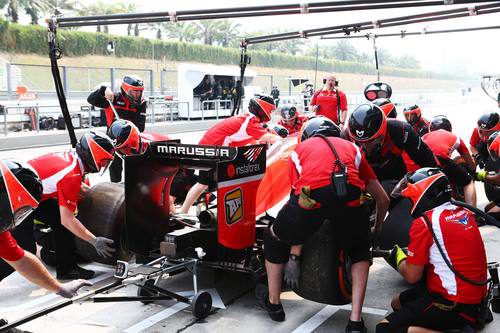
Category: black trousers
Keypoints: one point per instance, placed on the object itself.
(115, 170)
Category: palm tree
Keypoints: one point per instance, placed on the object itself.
(32, 7)
(345, 51)
(102, 8)
(208, 29)
(58, 7)
(227, 32)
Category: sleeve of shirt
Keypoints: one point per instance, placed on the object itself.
(294, 167)
(474, 139)
(9, 250)
(314, 98)
(96, 98)
(255, 130)
(366, 172)
(343, 101)
(67, 191)
(420, 243)
(462, 148)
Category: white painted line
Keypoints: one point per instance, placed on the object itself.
(373, 311)
(148, 322)
(315, 321)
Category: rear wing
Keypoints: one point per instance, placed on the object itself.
(235, 173)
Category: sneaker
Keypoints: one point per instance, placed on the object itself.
(75, 273)
(275, 311)
(355, 327)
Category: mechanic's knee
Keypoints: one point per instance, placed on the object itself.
(396, 303)
(385, 327)
(275, 251)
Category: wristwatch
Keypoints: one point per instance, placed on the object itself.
(294, 257)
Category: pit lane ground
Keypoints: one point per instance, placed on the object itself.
(234, 304)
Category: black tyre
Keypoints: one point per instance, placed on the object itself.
(141, 292)
(102, 211)
(492, 191)
(201, 304)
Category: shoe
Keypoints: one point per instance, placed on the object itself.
(275, 311)
(75, 273)
(355, 327)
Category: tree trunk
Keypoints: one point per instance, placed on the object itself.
(136, 30)
(129, 29)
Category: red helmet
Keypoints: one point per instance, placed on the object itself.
(96, 151)
(412, 114)
(487, 124)
(427, 188)
(368, 127)
(494, 145)
(20, 192)
(387, 107)
(288, 113)
(125, 136)
(261, 106)
(132, 87)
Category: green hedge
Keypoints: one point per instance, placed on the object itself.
(16, 38)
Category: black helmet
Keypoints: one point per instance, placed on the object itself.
(261, 106)
(487, 124)
(367, 123)
(132, 83)
(125, 136)
(412, 114)
(288, 112)
(20, 192)
(377, 90)
(318, 125)
(96, 151)
(440, 122)
(387, 107)
(426, 188)
(281, 131)
(494, 145)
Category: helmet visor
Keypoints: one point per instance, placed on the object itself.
(105, 165)
(400, 187)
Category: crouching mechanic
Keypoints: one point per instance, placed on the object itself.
(492, 177)
(129, 105)
(290, 119)
(443, 143)
(20, 193)
(314, 199)
(455, 275)
(237, 131)
(62, 177)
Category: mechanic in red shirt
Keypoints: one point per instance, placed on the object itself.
(20, 193)
(443, 143)
(314, 199)
(290, 119)
(330, 102)
(442, 236)
(62, 176)
(385, 140)
(487, 124)
(236, 131)
(492, 177)
(413, 116)
(129, 105)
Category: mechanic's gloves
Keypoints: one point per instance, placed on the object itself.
(395, 257)
(70, 289)
(292, 271)
(481, 175)
(305, 200)
(102, 246)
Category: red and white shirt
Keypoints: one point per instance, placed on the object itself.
(9, 250)
(61, 175)
(444, 143)
(475, 138)
(457, 232)
(236, 131)
(311, 163)
(327, 101)
(295, 126)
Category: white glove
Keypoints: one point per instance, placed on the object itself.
(101, 246)
(70, 289)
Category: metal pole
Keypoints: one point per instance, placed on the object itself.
(65, 80)
(152, 81)
(289, 86)
(9, 80)
(112, 78)
(162, 81)
(316, 67)
(376, 57)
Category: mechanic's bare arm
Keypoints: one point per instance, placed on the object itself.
(33, 270)
(473, 150)
(411, 273)
(70, 222)
(343, 116)
(381, 199)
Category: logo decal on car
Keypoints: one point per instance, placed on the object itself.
(233, 203)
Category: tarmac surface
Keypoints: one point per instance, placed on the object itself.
(234, 308)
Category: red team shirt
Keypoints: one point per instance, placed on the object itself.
(296, 126)
(236, 131)
(9, 250)
(328, 104)
(444, 143)
(475, 139)
(61, 175)
(315, 174)
(458, 234)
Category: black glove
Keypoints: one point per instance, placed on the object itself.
(292, 271)
(395, 257)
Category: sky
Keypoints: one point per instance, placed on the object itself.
(476, 52)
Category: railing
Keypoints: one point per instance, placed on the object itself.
(162, 110)
(215, 105)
